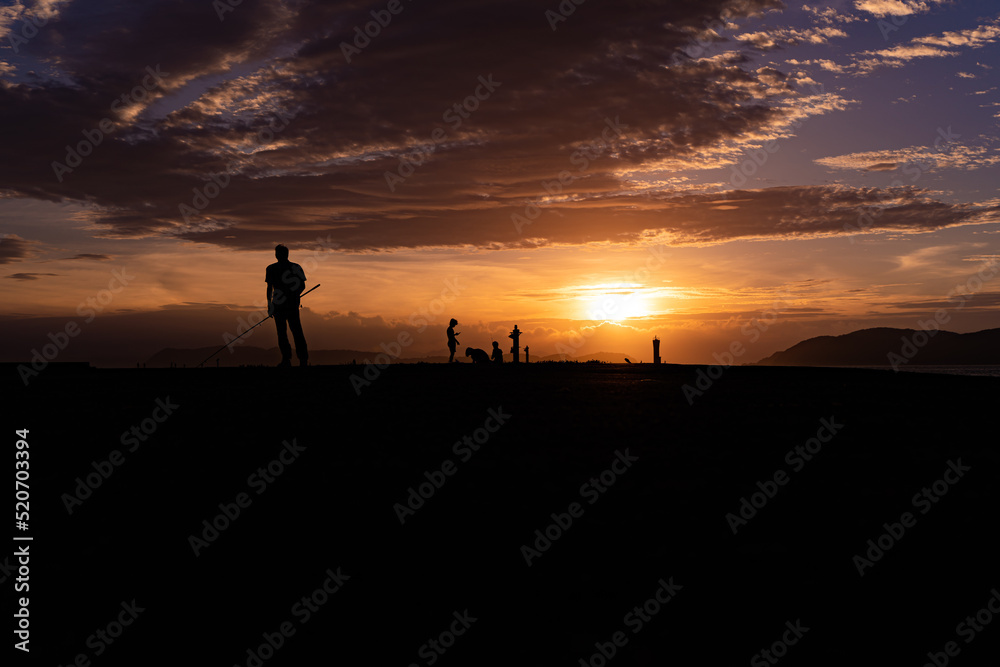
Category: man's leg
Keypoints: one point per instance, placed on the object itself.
(295, 324)
(286, 349)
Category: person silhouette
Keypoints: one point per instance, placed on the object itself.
(452, 339)
(285, 283)
(497, 355)
(478, 356)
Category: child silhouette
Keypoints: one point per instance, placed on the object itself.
(452, 340)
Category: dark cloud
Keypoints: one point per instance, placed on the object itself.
(29, 276)
(13, 248)
(296, 142)
(90, 256)
(960, 298)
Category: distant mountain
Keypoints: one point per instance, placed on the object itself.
(258, 356)
(608, 357)
(873, 347)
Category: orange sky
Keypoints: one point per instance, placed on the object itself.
(766, 294)
(679, 171)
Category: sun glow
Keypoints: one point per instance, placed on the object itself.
(616, 303)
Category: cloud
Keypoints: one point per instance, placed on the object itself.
(13, 248)
(263, 131)
(266, 104)
(973, 38)
(882, 166)
(29, 276)
(929, 46)
(948, 156)
(782, 37)
(806, 212)
(829, 15)
(825, 64)
(89, 256)
(977, 301)
(883, 8)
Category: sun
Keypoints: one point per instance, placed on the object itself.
(616, 303)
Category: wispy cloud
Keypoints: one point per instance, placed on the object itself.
(950, 156)
(89, 256)
(14, 248)
(829, 15)
(29, 276)
(883, 8)
(782, 37)
(942, 45)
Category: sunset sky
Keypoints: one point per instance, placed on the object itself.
(826, 167)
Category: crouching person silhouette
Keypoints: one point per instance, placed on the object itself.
(285, 283)
(478, 356)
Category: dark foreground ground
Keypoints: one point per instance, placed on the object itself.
(401, 585)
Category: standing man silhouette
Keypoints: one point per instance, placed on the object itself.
(452, 340)
(285, 283)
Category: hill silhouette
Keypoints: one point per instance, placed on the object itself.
(875, 347)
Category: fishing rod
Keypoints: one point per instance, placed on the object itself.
(249, 330)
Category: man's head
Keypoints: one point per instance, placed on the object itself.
(281, 252)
